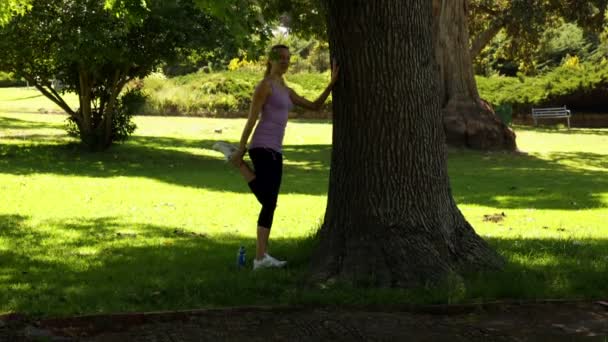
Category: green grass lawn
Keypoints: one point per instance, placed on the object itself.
(155, 223)
(22, 99)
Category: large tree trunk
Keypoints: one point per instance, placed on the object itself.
(390, 219)
(468, 121)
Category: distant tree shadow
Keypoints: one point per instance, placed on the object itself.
(171, 160)
(497, 180)
(563, 130)
(525, 181)
(584, 158)
(12, 123)
(25, 97)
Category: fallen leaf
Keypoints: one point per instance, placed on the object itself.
(126, 235)
(494, 217)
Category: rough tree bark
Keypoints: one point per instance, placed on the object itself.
(391, 219)
(468, 121)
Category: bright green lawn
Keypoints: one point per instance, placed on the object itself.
(22, 99)
(155, 223)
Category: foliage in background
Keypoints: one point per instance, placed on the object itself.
(525, 23)
(583, 86)
(218, 94)
(554, 45)
(304, 17)
(565, 40)
(308, 54)
(10, 8)
(580, 85)
(242, 19)
(8, 79)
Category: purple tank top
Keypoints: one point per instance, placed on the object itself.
(270, 130)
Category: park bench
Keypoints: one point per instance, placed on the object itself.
(553, 112)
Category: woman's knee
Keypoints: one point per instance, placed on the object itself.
(269, 204)
(266, 216)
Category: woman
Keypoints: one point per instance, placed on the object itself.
(273, 99)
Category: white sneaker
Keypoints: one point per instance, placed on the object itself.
(275, 262)
(226, 148)
(267, 262)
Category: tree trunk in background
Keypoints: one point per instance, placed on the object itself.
(485, 37)
(391, 219)
(468, 121)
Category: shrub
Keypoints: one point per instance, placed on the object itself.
(8, 79)
(505, 113)
(572, 62)
(212, 94)
(319, 57)
(129, 104)
(582, 86)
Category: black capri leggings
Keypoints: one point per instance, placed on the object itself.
(268, 168)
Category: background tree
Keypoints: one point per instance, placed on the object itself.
(391, 219)
(468, 121)
(95, 49)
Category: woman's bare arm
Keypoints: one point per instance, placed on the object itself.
(318, 103)
(260, 95)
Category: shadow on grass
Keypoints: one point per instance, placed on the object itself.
(25, 97)
(583, 158)
(313, 157)
(524, 181)
(561, 129)
(490, 179)
(545, 268)
(93, 266)
(12, 123)
(170, 160)
(52, 138)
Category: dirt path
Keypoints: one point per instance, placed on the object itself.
(553, 321)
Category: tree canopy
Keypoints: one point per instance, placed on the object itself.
(94, 48)
(525, 21)
(10, 8)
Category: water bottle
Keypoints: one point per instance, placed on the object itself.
(240, 257)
